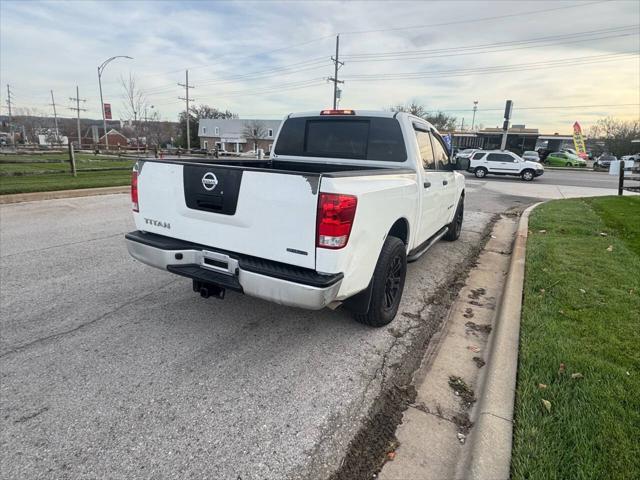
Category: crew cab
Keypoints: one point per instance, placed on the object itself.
(345, 201)
(503, 162)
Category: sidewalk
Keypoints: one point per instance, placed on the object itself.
(80, 192)
(434, 430)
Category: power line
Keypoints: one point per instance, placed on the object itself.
(495, 68)
(474, 20)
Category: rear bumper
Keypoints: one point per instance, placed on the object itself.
(273, 281)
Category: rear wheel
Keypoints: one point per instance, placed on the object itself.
(455, 227)
(388, 284)
(480, 172)
(528, 175)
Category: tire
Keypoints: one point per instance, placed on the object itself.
(388, 284)
(528, 175)
(480, 172)
(455, 227)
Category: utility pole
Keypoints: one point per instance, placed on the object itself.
(186, 99)
(508, 109)
(77, 108)
(475, 108)
(462, 125)
(334, 79)
(55, 117)
(13, 140)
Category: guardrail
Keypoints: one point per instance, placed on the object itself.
(633, 177)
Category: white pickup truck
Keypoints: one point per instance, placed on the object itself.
(345, 201)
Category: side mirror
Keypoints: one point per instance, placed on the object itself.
(461, 164)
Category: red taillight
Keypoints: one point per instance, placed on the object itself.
(134, 191)
(335, 218)
(337, 112)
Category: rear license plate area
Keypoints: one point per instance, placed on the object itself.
(219, 262)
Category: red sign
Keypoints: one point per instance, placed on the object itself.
(107, 111)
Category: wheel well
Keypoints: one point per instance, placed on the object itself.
(400, 230)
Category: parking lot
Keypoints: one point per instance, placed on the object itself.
(112, 369)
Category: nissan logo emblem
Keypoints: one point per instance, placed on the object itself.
(209, 181)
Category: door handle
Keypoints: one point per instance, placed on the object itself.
(444, 182)
(427, 184)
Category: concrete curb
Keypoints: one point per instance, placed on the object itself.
(80, 192)
(573, 169)
(491, 438)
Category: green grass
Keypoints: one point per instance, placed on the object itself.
(57, 181)
(593, 428)
(34, 168)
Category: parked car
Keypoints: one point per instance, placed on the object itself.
(531, 156)
(466, 153)
(564, 159)
(604, 161)
(503, 162)
(635, 157)
(346, 200)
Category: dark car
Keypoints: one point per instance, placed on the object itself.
(604, 161)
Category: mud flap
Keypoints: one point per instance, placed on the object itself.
(359, 303)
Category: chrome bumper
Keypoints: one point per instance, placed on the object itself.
(254, 284)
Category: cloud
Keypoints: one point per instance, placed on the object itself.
(56, 45)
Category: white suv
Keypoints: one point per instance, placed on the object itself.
(503, 162)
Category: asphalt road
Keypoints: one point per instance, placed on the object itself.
(563, 177)
(112, 369)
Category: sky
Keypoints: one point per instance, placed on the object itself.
(559, 61)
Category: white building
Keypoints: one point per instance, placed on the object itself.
(229, 134)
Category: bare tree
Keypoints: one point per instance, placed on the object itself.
(616, 134)
(254, 130)
(438, 119)
(134, 103)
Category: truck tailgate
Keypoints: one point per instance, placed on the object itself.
(261, 213)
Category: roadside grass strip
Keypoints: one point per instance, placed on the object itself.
(578, 392)
(58, 181)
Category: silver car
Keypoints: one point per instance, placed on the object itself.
(531, 156)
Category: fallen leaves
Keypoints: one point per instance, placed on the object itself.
(582, 290)
(576, 375)
(610, 248)
(603, 234)
(561, 369)
(473, 348)
(547, 405)
(391, 456)
(542, 231)
(542, 386)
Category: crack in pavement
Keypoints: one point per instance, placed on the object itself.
(86, 324)
(62, 245)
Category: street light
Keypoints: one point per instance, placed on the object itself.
(101, 68)
(475, 107)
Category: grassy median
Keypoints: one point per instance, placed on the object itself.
(51, 171)
(578, 392)
(59, 181)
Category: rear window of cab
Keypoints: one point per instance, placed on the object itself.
(358, 138)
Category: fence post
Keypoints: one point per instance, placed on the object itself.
(72, 159)
(621, 177)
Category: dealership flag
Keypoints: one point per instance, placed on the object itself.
(578, 140)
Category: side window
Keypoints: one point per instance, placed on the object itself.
(494, 157)
(439, 153)
(507, 158)
(478, 156)
(426, 152)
